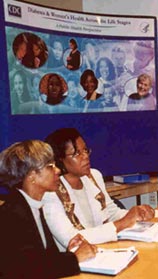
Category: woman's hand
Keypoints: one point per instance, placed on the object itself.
(75, 241)
(69, 58)
(84, 250)
(145, 212)
(136, 213)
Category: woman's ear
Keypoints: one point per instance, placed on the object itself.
(32, 176)
(61, 166)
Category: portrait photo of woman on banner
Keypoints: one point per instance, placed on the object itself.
(139, 94)
(74, 57)
(54, 87)
(19, 91)
(56, 49)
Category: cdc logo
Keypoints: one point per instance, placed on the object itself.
(14, 10)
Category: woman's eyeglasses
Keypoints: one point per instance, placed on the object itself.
(78, 153)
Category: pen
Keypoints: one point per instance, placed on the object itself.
(129, 249)
(115, 251)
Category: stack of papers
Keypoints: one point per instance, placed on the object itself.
(141, 231)
(109, 261)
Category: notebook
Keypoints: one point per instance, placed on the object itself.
(110, 261)
(141, 231)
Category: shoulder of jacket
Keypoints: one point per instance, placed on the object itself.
(96, 172)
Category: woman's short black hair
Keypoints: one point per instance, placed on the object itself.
(58, 140)
(73, 41)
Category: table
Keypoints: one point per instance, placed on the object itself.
(120, 191)
(145, 267)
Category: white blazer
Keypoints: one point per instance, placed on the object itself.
(62, 228)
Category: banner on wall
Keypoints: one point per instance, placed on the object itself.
(67, 62)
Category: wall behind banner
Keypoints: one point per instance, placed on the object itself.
(122, 142)
(125, 7)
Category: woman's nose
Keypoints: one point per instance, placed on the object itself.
(57, 170)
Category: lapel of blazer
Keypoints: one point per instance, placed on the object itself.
(96, 199)
(26, 218)
(69, 206)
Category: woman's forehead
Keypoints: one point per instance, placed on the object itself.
(54, 79)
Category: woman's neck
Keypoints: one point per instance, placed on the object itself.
(31, 190)
(74, 181)
(74, 50)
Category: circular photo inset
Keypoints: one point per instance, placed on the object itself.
(89, 84)
(30, 50)
(53, 89)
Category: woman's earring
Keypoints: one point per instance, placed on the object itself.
(32, 179)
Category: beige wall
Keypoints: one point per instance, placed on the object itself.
(75, 5)
(123, 7)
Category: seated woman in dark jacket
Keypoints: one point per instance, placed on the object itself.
(27, 248)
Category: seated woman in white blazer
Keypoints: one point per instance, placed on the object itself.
(81, 203)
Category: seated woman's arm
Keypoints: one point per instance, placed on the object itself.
(123, 218)
(63, 230)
